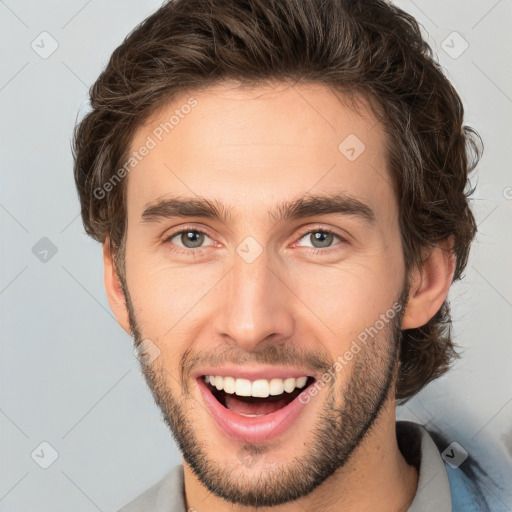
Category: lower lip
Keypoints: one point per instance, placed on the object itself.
(255, 429)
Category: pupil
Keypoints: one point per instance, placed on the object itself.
(192, 239)
(323, 237)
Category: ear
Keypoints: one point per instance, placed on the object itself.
(114, 290)
(429, 285)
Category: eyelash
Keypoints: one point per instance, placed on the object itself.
(201, 250)
(328, 231)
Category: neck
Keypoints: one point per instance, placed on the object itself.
(376, 477)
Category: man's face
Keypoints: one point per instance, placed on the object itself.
(265, 297)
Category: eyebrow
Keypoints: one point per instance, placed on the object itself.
(305, 206)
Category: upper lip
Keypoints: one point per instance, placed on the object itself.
(253, 372)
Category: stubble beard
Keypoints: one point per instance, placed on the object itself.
(349, 411)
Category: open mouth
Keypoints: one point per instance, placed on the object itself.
(256, 398)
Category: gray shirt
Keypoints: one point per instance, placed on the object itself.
(415, 443)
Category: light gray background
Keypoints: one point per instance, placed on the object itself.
(68, 374)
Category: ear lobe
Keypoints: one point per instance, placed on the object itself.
(114, 289)
(430, 285)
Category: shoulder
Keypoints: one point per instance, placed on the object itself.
(449, 478)
(473, 489)
(164, 496)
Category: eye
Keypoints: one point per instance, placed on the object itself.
(188, 238)
(321, 238)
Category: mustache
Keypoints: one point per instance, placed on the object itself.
(270, 354)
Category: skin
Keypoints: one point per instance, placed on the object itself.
(252, 149)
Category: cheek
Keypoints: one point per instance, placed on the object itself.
(167, 298)
(347, 299)
(173, 302)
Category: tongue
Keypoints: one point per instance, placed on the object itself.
(252, 408)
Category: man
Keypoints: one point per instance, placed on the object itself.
(280, 188)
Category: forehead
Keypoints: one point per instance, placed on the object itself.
(254, 147)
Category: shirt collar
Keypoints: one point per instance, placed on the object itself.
(419, 449)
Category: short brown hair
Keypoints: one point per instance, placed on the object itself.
(369, 47)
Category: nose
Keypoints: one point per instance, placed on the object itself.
(255, 304)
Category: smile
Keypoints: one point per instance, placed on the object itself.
(253, 410)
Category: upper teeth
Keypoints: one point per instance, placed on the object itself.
(260, 388)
